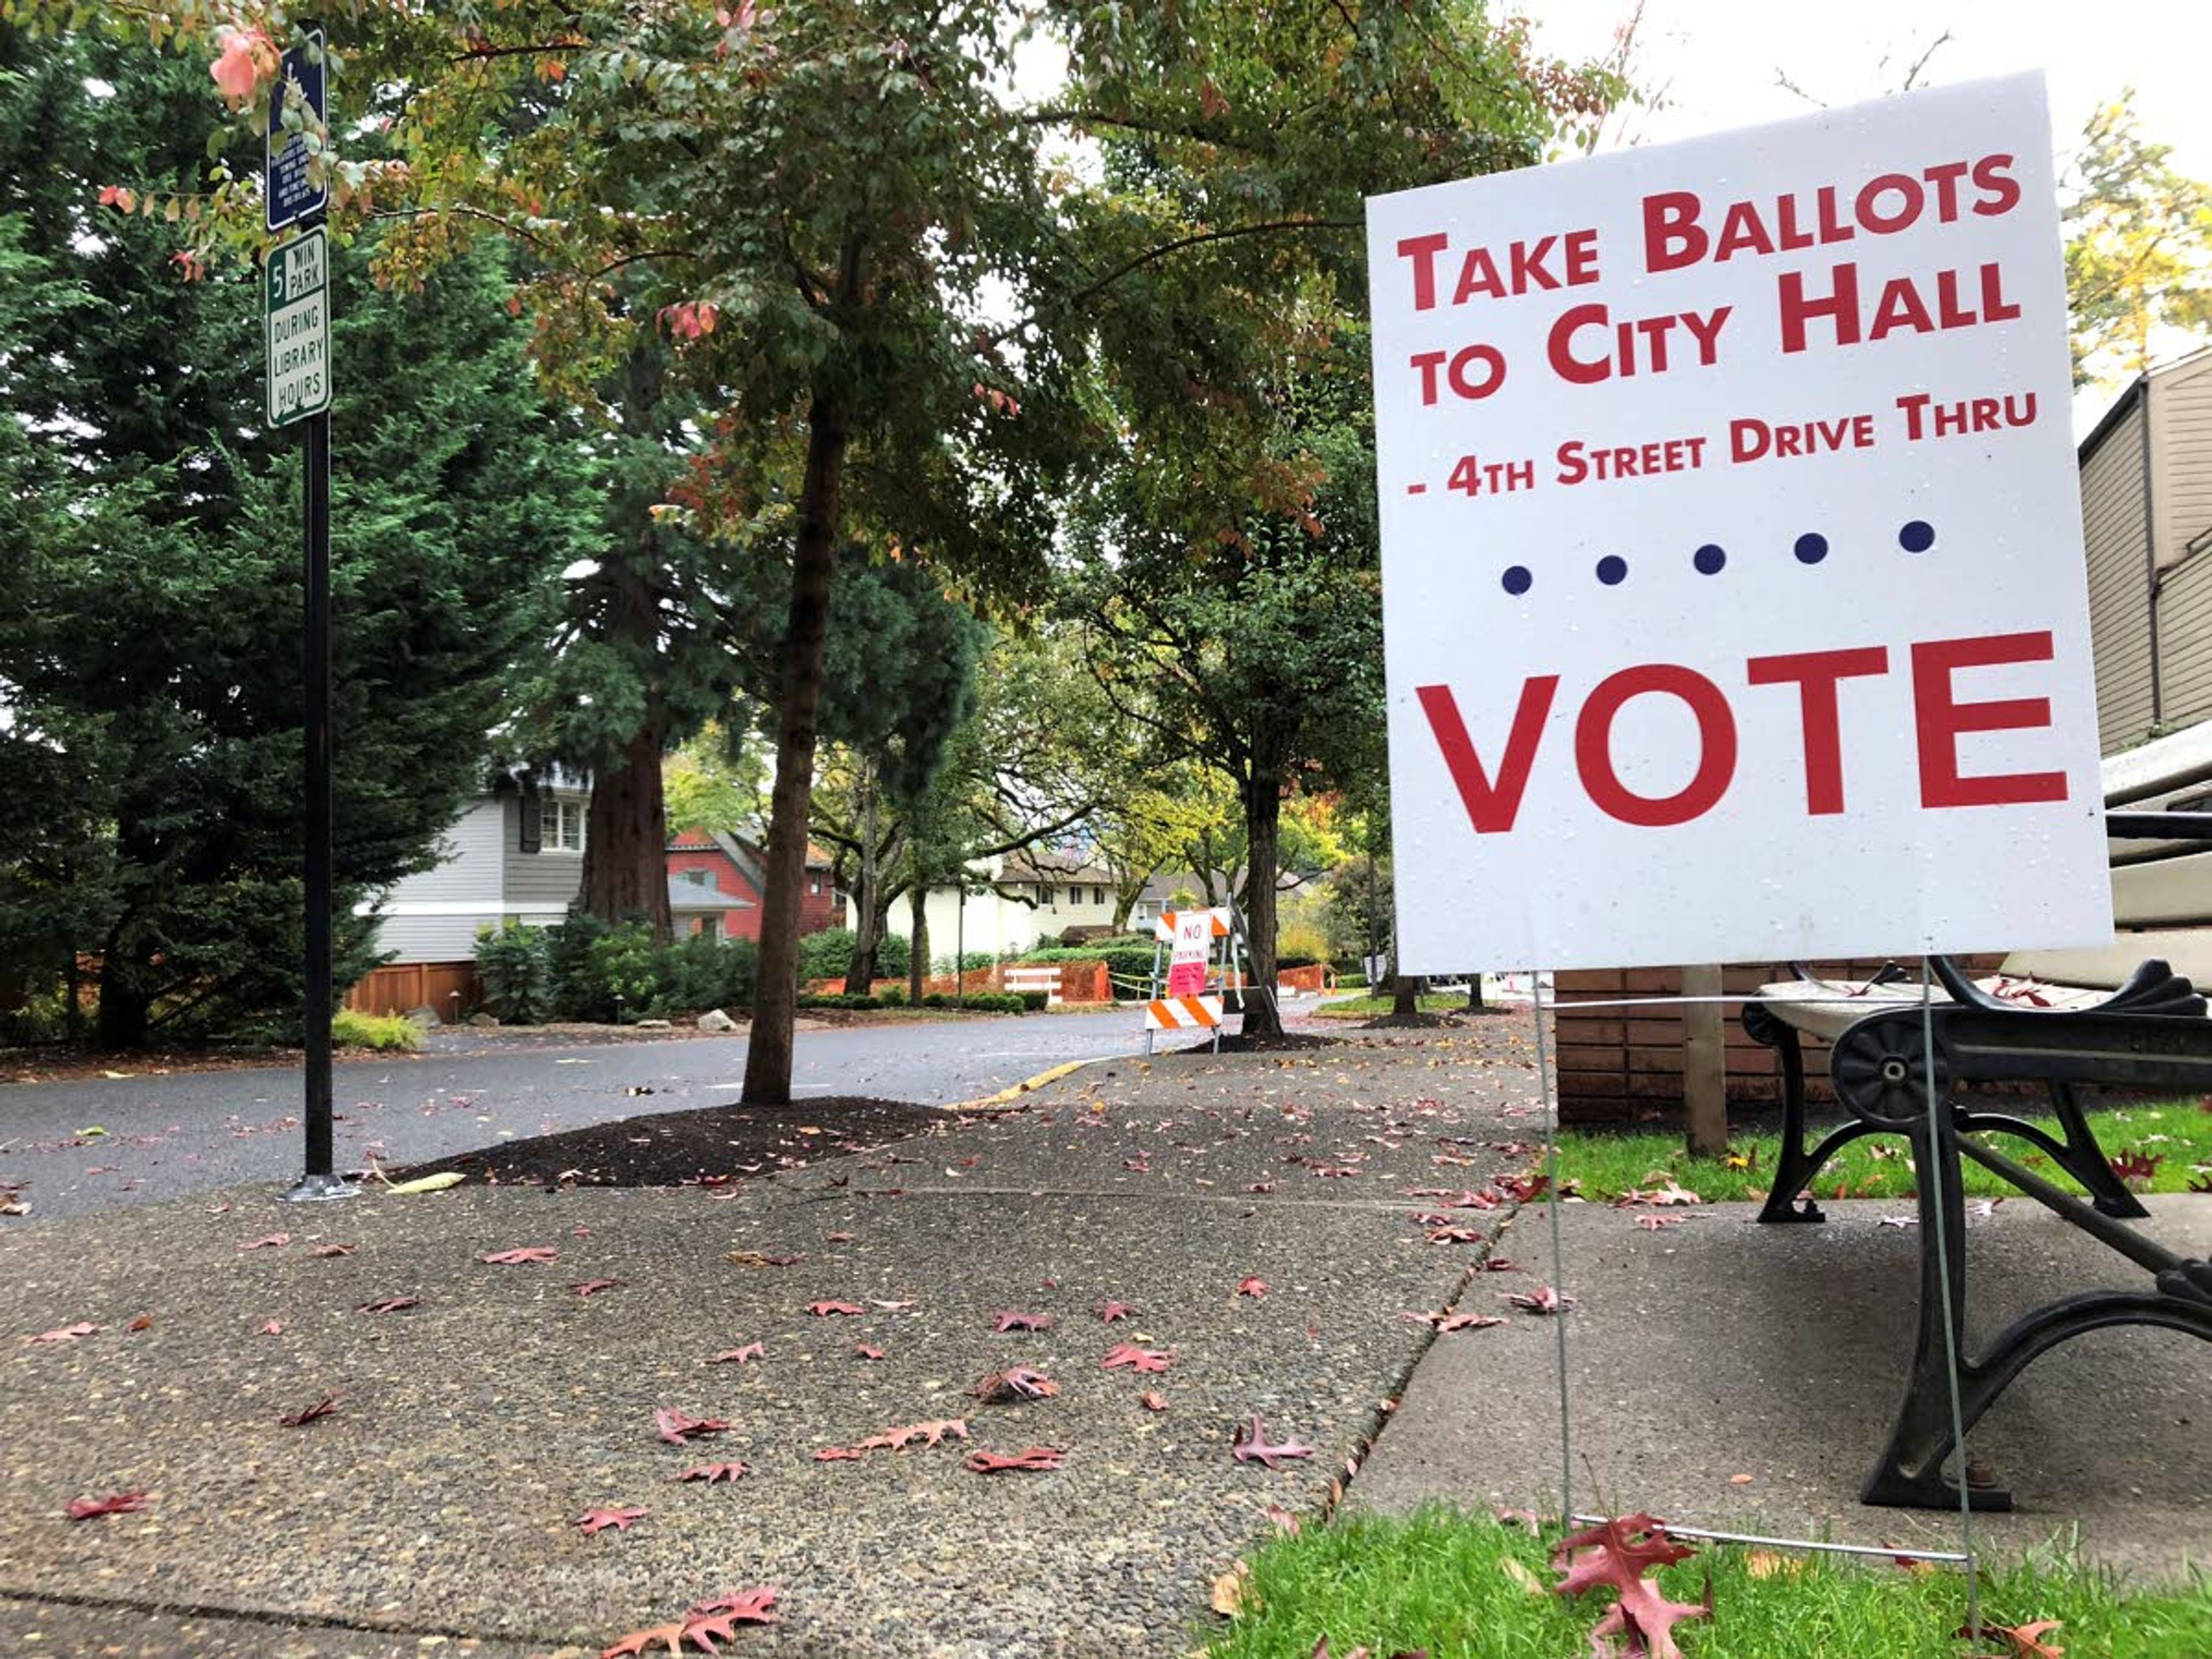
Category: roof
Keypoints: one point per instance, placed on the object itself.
(1032, 866)
(689, 897)
(743, 848)
(2133, 393)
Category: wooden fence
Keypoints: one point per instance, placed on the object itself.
(451, 988)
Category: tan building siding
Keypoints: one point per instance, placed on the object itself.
(2185, 643)
(2119, 585)
(2181, 450)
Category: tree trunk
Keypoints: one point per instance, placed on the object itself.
(626, 839)
(917, 956)
(868, 906)
(1474, 992)
(1263, 817)
(1404, 996)
(768, 1053)
(126, 1002)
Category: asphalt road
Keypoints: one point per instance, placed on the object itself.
(166, 1136)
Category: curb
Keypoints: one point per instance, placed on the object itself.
(1027, 1085)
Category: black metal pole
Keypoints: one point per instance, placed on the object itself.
(321, 1157)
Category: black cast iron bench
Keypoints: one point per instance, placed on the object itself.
(2149, 1033)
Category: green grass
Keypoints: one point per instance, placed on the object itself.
(1441, 1582)
(1371, 1007)
(2179, 1134)
(391, 1031)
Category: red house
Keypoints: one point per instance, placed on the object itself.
(734, 865)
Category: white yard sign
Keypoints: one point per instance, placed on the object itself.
(1733, 580)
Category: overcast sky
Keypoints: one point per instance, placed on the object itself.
(1717, 61)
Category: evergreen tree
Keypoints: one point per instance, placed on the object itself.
(150, 648)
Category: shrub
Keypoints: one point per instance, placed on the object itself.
(516, 963)
(576, 993)
(969, 962)
(838, 1000)
(936, 999)
(892, 996)
(997, 1002)
(626, 974)
(1035, 1002)
(350, 1030)
(710, 973)
(829, 955)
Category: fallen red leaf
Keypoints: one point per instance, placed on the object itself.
(326, 1251)
(2023, 1641)
(144, 1323)
(2134, 1166)
(825, 1309)
(839, 1455)
(1021, 1322)
(1141, 1359)
(273, 1327)
(1541, 1300)
(1034, 1457)
(1152, 1400)
(1617, 1553)
(1251, 1286)
(738, 1356)
(274, 1242)
(66, 1333)
(594, 1521)
(1110, 1312)
(1252, 1445)
(1458, 1235)
(121, 1503)
(306, 1414)
(838, 1238)
(1441, 1322)
(675, 1427)
(1652, 1224)
(517, 1258)
(914, 1434)
(593, 1287)
(710, 1472)
(390, 1304)
(1013, 1383)
(862, 1351)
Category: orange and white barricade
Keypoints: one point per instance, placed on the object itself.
(1202, 1013)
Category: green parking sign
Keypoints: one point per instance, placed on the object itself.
(295, 308)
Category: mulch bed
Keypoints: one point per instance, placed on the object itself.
(705, 1147)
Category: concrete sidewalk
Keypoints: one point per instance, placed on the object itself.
(1717, 1350)
(475, 1428)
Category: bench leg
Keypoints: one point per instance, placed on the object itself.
(1795, 1167)
(2080, 1156)
(1910, 1473)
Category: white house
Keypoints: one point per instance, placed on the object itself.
(1012, 904)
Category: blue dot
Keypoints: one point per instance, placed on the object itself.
(1517, 580)
(1613, 570)
(1811, 548)
(1709, 560)
(1917, 537)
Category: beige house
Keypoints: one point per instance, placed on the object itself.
(2147, 524)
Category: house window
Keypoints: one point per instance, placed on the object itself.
(564, 826)
(814, 886)
(708, 927)
(1099, 895)
(697, 877)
